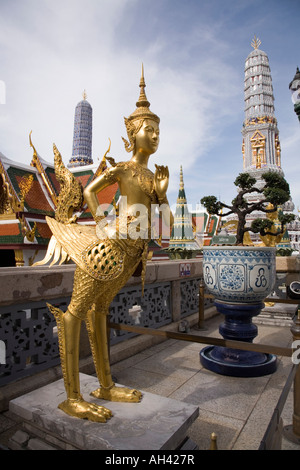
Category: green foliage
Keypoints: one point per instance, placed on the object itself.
(245, 181)
(276, 191)
(275, 180)
(276, 196)
(239, 202)
(211, 204)
(260, 225)
(285, 218)
(284, 252)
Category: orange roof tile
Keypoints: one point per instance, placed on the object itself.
(9, 229)
(106, 195)
(43, 230)
(83, 178)
(35, 198)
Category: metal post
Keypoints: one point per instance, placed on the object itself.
(201, 305)
(292, 431)
(213, 442)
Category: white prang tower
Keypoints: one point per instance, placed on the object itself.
(261, 145)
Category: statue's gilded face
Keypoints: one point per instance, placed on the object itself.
(147, 139)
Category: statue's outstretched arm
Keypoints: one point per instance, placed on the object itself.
(101, 182)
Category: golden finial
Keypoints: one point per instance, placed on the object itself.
(142, 81)
(31, 145)
(255, 43)
(142, 109)
(181, 186)
(142, 102)
(84, 95)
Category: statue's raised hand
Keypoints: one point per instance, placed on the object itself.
(161, 181)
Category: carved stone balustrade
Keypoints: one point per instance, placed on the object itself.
(28, 335)
(28, 330)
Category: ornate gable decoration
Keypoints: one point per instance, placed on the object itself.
(36, 163)
(9, 201)
(257, 138)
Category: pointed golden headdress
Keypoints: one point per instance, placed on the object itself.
(142, 112)
(143, 106)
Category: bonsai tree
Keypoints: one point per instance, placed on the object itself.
(276, 191)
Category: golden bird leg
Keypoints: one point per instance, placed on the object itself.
(108, 390)
(75, 405)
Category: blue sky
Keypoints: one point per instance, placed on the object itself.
(193, 53)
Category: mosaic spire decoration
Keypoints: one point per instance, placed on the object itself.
(182, 232)
(82, 138)
(261, 145)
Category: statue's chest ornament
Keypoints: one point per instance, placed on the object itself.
(145, 179)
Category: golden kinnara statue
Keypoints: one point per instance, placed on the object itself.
(105, 258)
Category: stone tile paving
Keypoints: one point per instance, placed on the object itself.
(238, 410)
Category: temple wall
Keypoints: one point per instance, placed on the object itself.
(28, 331)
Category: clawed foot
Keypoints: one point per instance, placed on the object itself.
(85, 410)
(115, 393)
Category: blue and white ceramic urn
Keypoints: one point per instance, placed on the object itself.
(239, 273)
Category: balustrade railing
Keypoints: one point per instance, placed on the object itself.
(28, 335)
(28, 330)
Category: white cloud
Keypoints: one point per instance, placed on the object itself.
(52, 60)
(52, 50)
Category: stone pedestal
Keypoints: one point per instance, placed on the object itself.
(156, 423)
(277, 314)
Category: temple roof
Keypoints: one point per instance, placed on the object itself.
(27, 195)
(257, 52)
(82, 134)
(83, 103)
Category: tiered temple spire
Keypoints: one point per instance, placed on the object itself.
(261, 145)
(82, 138)
(182, 232)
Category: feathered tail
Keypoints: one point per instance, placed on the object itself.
(55, 252)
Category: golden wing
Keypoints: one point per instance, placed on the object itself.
(101, 259)
(68, 241)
